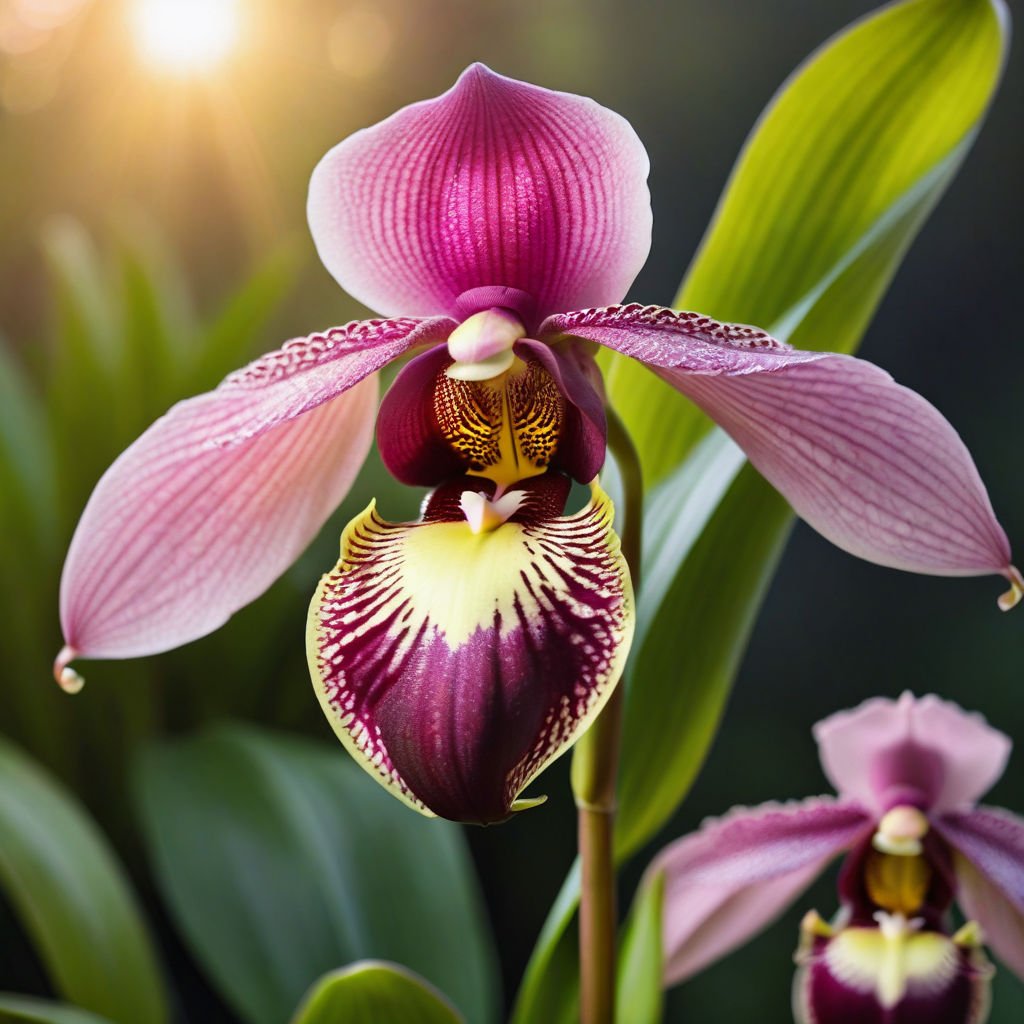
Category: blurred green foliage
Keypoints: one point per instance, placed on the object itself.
(29, 1010)
(280, 861)
(236, 812)
(66, 884)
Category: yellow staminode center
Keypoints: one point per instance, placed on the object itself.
(896, 874)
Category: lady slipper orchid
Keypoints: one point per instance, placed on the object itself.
(457, 655)
(909, 774)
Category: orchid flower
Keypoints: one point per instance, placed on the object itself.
(909, 774)
(495, 229)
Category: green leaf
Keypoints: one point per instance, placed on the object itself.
(280, 860)
(550, 986)
(83, 372)
(29, 1010)
(154, 340)
(830, 189)
(29, 558)
(369, 993)
(63, 881)
(676, 514)
(639, 993)
(679, 685)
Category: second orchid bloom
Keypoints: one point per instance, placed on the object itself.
(495, 229)
(909, 774)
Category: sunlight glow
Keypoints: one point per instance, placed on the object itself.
(185, 36)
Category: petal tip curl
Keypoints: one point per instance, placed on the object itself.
(67, 678)
(870, 464)
(1011, 598)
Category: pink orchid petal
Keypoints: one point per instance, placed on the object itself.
(455, 665)
(869, 464)
(219, 496)
(990, 875)
(731, 879)
(922, 751)
(531, 199)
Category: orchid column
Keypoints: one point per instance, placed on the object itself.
(495, 228)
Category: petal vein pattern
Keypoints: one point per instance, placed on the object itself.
(868, 463)
(218, 497)
(726, 882)
(495, 185)
(311, 370)
(456, 665)
(990, 874)
(922, 750)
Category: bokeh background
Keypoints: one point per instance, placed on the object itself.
(162, 206)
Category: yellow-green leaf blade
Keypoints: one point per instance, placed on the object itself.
(876, 121)
(16, 1009)
(638, 995)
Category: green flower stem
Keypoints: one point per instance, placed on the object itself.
(594, 770)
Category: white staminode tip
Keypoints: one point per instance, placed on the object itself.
(900, 832)
(482, 345)
(483, 514)
(895, 927)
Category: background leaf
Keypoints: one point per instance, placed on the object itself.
(281, 860)
(639, 992)
(827, 196)
(830, 189)
(27, 1010)
(64, 882)
(550, 986)
(370, 993)
(227, 342)
(681, 679)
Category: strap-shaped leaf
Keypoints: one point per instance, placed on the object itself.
(550, 989)
(639, 991)
(830, 190)
(680, 677)
(884, 114)
(280, 860)
(29, 1010)
(371, 992)
(62, 878)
